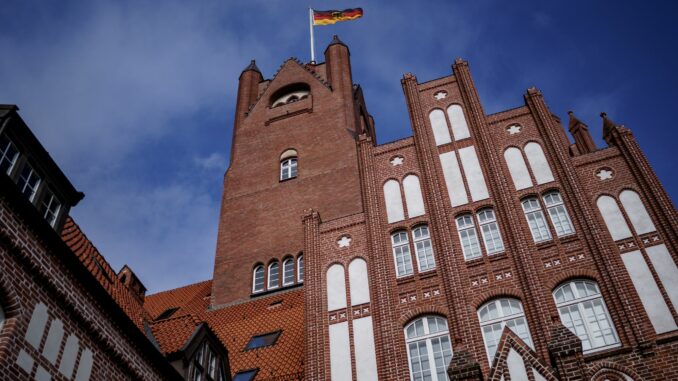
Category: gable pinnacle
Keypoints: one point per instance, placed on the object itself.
(608, 124)
(252, 66)
(574, 121)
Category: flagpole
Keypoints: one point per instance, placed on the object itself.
(310, 26)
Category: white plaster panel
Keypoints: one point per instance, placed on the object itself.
(538, 163)
(614, 220)
(394, 201)
(413, 197)
(365, 354)
(336, 288)
(666, 269)
(453, 180)
(649, 293)
(517, 168)
(459, 126)
(537, 375)
(69, 356)
(85, 366)
(441, 133)
(42, 375)
(36, 327)
(516, 366)
(636, 211)
(53, 342)
(25, 361)
(474, 174)
(359, 282)
(340, 353)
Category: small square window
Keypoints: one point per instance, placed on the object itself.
(263, 340)
(245, 375)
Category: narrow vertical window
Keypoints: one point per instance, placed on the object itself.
(535, 218)
(468, 236)
(258, 279)
(413, 197)
(613, 217)
(288, 272)
(273, 275)
(50, 207)
(458, 121)
(583, 311)
(441, 134)
(8, 155)
(490, 230)
(288, 168)
(537, 159)
(497, 314)
(423, 248)
(401, 253)
(29, 182)
(636, 211)
(517, 168)
(429, 349)
(300, 269)
(559, 217)
(394, 201)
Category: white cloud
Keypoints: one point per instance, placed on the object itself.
(215, 161)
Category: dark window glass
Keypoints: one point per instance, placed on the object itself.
(263, 340)
(245, 375)
(167, 313)
(8, 155)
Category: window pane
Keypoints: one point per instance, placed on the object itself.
(263, 340)
(259, 279)
(423, 249)
(8, 155)
(28, 182)
(469, 243)
(419, 362)
(273, 276)
(492, 237)
(300, 269)
(401, 254)
(288, 268)
(246, 375)
(538, 228)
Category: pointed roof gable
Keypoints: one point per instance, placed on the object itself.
(515, 358)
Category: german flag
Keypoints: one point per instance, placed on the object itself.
(333, 17)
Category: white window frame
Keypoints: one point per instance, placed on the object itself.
(489, 222)
(4, 157)
(27, 180)
(289, 262)
(418, 253)
(578, 301)
(48, 202)
(254, 279)
(466, 229)
(289, 168)
(427, 337)
(561, 216)
(268, 278)
(407, 257)
(503, 318)
(538, 212)
(300, 268)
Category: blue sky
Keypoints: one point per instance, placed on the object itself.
(135, 99)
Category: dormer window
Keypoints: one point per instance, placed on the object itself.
(8, 155)
(50, 207)
(290, 94)
(29, 182)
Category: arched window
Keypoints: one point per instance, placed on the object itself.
(496, 314)
(613, 217)
(401, 253)
(273, 275)
(441, 133)
(490, 230)
(336, 288)
(559, 217)
(300, 268)
(636, 211)
(468, 236)
(358, 280)
(517, 168)
(290, 94)
(288, 272)
(538, 164)
(583, 311)
(423, 248)
(535, 218)
(413, 197)
(458, 121)
(288, 168)
(428, 348)
(258, 279)
(394, 201)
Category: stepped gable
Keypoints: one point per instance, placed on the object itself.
(88, 254)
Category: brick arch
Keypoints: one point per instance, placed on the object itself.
(600, 368)
(561, 277)
(397, 227)
(484, 205)
(389, 179)
(408, 173)
(533, 140)
(420, 311)
(551, 188)
(486, 296)
(11, 306)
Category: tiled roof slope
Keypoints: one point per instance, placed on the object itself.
(77, 241)
(234, 326)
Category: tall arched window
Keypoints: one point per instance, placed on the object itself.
(583, 311)
(394, 201)
(423, 248)
(413, 197)
(273, 275)
(559, 217)
(401, 253)
(468, 236)
(636, 211)
(441, 133)
(613, 217)
(300, 268)
(458, 121)
(288, 168)
(428, 348)
(496, 314)
(517, 168)
(258, 279)
(490, 231)
(288, 272)
(540, 167)
(535, 218)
